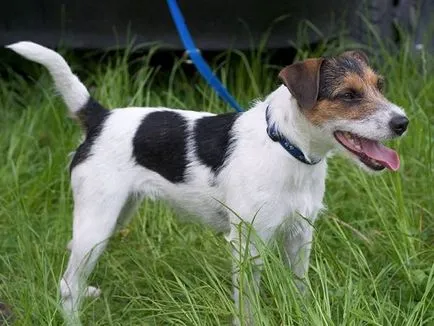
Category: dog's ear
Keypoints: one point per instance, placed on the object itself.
(357, 54)
(302, 80)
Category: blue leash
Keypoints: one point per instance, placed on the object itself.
(196, 57)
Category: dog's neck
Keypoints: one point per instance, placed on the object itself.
(291, 123)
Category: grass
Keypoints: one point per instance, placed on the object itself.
(373, 253)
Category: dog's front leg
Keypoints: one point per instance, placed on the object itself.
(297, 247)
(247, 266)
(245, 284)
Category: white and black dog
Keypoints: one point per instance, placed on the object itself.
(266, 166)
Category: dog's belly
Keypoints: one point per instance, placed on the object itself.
(204, 205)
(195, 199)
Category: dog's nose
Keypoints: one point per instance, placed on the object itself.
(399, 124)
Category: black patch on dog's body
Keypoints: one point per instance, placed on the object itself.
(92, 117)
(92, 114)
(160, 144)
(212, 139)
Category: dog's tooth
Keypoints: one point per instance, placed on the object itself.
(374, 162)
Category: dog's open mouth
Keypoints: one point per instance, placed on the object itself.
(370, 152)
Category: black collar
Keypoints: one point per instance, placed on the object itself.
(276, 136)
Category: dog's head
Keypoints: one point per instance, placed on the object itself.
(344, 97)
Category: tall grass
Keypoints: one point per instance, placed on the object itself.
(373, 254)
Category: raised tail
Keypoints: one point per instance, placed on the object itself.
(74, 93)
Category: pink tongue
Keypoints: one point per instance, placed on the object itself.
(377, 151)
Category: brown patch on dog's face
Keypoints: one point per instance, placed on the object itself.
(348, 90)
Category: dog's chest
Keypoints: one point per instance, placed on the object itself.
(273, 195)
(303, 200)
(295, 201)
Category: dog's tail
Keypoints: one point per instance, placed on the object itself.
(74, 93)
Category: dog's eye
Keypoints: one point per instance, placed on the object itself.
(349, 95)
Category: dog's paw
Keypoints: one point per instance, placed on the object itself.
(92, 292)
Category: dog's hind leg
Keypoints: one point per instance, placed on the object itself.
(96, 212)
(127, 213)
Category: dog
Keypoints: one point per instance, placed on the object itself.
(266, 166)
